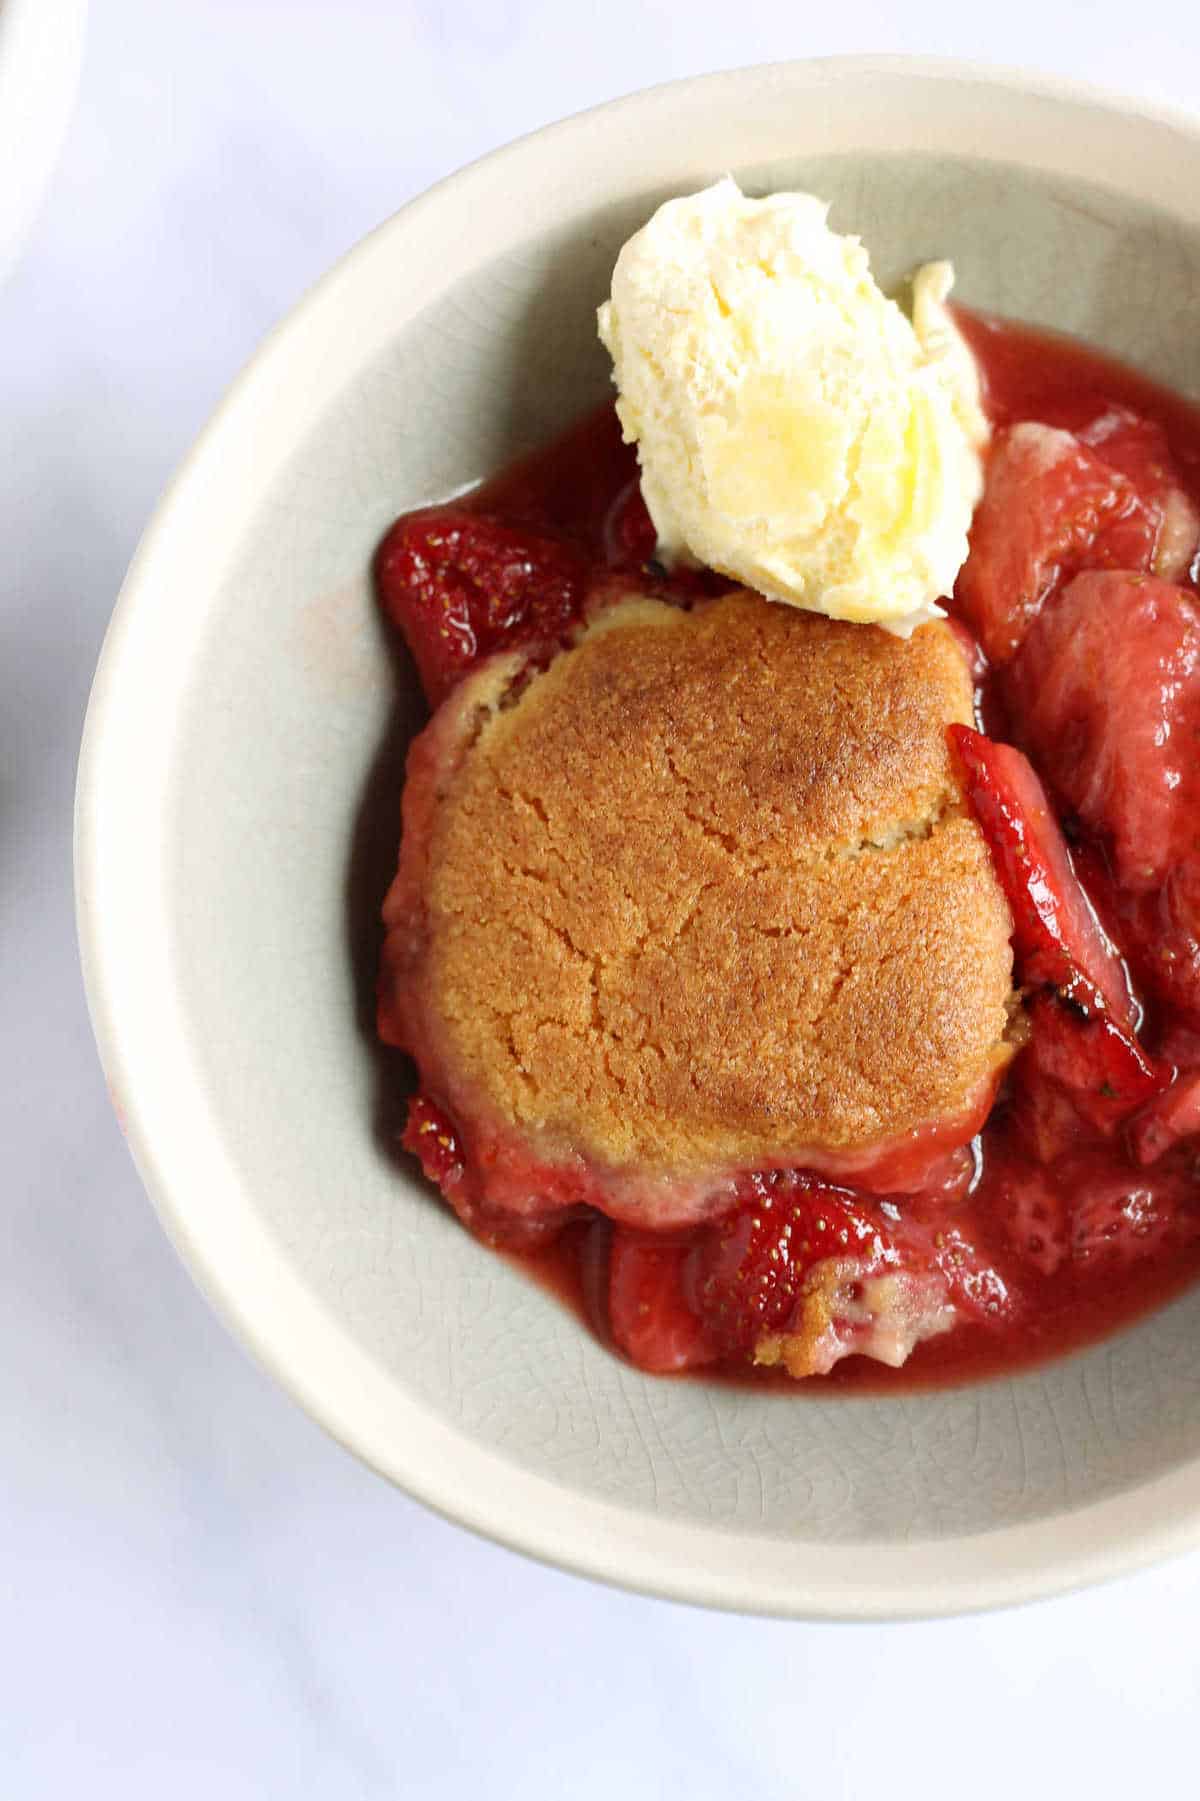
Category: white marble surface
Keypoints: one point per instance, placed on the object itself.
(200, 1594)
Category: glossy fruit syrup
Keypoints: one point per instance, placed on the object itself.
(1077, 1206)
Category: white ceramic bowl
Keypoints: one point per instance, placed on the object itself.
(237, 818)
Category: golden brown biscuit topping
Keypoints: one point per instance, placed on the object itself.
(703, 894)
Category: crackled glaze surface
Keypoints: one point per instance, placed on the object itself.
(272, 880)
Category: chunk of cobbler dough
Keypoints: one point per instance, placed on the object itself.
(700, 897)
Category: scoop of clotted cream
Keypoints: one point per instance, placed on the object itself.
(795, 430)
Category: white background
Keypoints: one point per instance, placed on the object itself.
(200, 1595)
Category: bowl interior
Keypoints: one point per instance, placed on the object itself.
(277, 834)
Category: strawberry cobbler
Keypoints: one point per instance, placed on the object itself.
(794, 988)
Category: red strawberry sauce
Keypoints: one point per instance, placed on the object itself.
(1079, 1205)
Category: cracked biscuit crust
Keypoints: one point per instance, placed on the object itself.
(702, 895)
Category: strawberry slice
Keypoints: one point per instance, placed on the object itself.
(1084, 1032)
(1089, 1213)
(1104, 1069)
(648, 1311)
(975, 1289)
(1163, 931)
(1107, 497)
(1176, 951)
(1169, 1120)
(1162, 533)
(1118, 736)
(1120, 1217)
(1045, 1122)
(1057, 939)
(1180, 1045)
(805, 1274)
(951, 1178)
(1046, 500)
(1034, 1215)
(751, 1270)
(461, 586)
(1159, 931)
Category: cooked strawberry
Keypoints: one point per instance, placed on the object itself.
(1055, 502)
(1169, 942)
(974, 1288)
(631, 546)
(1046, 499)
(750, 1273)
(1043, 1119)
(1034, 1213)
(1180, 1044)
(1104, 1069)
(1159, 931)
(1133, 445)
(1091, 1213)
(1118, 1218)
(1177, 554)
(1161, 534)
(629, 536)
(647, 1309)
(1057, 939)
(431, 1136)
(949, 1179)
(971, 648)
(1118, 735)
(460, 586)
(936, 1157)
(1170, 1119)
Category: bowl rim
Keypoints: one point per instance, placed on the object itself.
(178, 1155)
